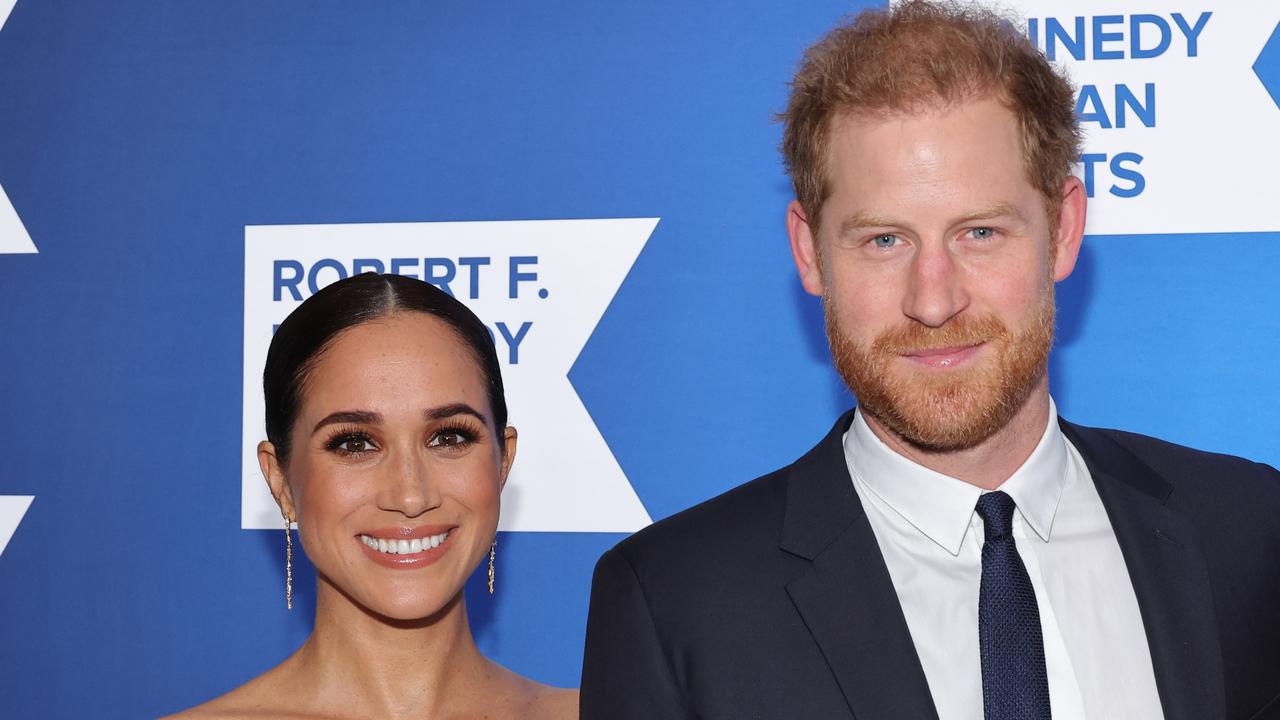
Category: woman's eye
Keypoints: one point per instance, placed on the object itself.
(449, 438)
(982, 233)
(354, 445)
(351, 444)
(884, 242)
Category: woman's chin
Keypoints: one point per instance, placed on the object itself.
(413, 608)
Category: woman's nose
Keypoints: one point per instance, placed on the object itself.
(410, 488)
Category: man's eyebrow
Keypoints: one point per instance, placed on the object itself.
(360, 417)
(452, 409)
(863, 219)
(1000, 209)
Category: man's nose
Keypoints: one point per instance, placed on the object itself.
(411, 486)
(935, 288)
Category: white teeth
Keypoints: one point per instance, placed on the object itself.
(404, 547)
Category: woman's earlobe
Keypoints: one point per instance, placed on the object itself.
(273, 473)
(509, 436)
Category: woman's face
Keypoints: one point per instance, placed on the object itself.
(395, 472)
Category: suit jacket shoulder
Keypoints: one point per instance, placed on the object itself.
(745, 518)
(767, 528)
(1221, 494)
(1199, 469)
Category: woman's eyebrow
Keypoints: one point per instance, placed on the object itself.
(368, 417)
(446, 411)
(360, 417)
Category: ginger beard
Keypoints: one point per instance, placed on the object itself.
(952, 409)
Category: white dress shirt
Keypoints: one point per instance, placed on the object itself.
(1095, 647)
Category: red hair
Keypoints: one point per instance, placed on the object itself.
(926, 54)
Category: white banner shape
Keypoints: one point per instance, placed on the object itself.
(540, 286)
(12, 510)
(13, 234)
(1181, 136)
(14, 238)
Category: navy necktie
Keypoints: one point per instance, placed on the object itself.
(1015, 685)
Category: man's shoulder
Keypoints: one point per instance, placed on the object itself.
(699, 561)
(1192, 472)
(741, 517)
(746, 523)
(723, 549)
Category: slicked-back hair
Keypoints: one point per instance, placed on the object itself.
(312, 327)
(918, 56)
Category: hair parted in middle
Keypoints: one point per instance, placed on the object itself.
(312, 327)
(917, 56)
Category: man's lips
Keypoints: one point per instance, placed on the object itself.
(944, 357)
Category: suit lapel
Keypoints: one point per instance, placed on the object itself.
(1169, 574)
(846, 597)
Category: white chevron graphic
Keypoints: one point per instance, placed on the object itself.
(13, 234)
(570, 270)
(12, 509)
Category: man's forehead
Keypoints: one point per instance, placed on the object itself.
(943, 145)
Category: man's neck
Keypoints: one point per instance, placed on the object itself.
(992, 461)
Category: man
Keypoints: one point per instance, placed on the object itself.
(952, 549)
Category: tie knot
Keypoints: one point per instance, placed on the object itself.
(996, 511)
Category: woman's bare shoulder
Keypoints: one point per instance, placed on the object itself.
(255, 700)
(508, 694)
(543, 702)
(553, 703)
(217, 709)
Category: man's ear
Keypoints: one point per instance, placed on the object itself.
(1070, 231)
(508, 453)
(804, 248)
(273, 471)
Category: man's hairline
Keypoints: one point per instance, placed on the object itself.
(929, 102)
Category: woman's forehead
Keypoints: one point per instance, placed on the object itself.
(406, 359)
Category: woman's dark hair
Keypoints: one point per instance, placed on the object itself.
(312, 326)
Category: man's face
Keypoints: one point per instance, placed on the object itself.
(936, 262)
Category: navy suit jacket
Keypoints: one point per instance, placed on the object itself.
(773, 600)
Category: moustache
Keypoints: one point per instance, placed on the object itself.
(913, 337)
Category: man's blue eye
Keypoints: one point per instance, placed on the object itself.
(885, 241)
(983, 233)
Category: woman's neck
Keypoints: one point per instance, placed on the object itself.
(372, 666)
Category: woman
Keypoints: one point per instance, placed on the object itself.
(388, 445)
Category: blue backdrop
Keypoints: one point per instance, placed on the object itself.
(138, 139)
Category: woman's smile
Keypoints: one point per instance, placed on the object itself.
(405, 548)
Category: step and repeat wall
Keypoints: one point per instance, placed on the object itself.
(601, 183)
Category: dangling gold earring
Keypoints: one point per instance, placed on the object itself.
(493, 550)
(288, 563)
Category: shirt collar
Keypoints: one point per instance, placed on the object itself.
(941, 506)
